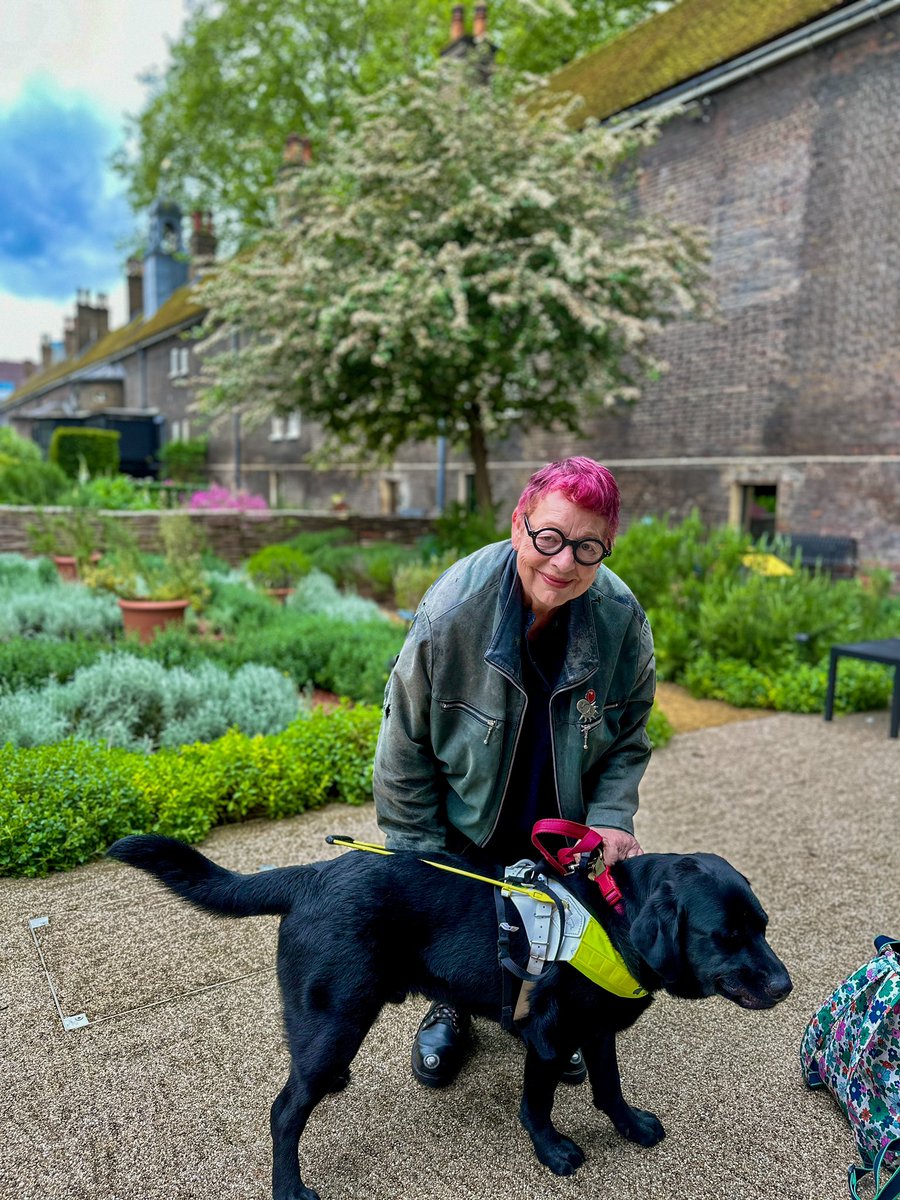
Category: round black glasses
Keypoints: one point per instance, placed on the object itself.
(587, 551)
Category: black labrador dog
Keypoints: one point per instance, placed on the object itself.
(366, 929)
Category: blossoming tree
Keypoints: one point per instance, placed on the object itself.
(462, 260)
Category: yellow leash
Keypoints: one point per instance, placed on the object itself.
(595, 956)
(351, 844)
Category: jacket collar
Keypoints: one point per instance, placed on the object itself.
(582, 654)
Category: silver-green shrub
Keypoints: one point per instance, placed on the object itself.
(318, 593)
(63, 611)
(17, 571)
(137, 704)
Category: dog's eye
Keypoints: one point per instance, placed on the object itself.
(728, 940)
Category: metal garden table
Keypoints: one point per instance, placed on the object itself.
(887, 651)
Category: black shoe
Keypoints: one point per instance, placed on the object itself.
(440, 1045)
(576, 1071)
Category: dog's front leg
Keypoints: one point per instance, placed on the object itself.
(555, 1151)
(636, 1124)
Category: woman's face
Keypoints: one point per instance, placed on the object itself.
(551, 582)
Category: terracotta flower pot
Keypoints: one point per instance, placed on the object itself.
(67, 565)
(147, 617)
(280, 593)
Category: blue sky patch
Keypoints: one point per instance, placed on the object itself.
(60, 223)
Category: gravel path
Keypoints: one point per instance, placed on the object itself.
(165, 1093)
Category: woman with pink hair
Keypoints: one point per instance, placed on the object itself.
(522, 691)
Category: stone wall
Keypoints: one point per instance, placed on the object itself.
(234, 536)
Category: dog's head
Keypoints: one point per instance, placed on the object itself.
(698, 926)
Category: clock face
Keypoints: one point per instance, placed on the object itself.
(169, 240)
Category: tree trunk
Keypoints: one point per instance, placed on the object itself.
(478, 451)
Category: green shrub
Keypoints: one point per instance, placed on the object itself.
(31, 484)
(80, 449)
(183, 460)
(459, 531)
(28, 663)
(659, 727)
(233, 605)
(64, 805)
(413, 580)
(15, 448)
(317, 651)
(278, 566)
(799, 687)
(115, 492)
(313, 542)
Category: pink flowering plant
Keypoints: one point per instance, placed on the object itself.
(217, 496)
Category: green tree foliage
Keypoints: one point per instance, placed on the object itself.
(246, 73)
(458, 262)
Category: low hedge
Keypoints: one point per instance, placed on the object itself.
(64, 805)
(796, 687)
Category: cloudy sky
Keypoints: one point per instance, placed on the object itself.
(69, 75)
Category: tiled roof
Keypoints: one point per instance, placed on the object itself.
(178, 310)
(665, 50)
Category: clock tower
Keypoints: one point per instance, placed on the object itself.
(165, 261)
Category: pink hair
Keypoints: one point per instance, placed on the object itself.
(583, 482)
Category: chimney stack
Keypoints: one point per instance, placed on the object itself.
(457, 22)
(134, 274)
(479, 24)
(203, 243)
(69, 342)
(46, 351)
(91, 319)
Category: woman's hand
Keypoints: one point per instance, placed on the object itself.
(617, 844)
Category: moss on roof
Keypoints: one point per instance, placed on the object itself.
(692, 37)
(179, 309)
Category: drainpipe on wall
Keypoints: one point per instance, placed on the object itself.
(236, 421)
(142, 378)
(441, 488)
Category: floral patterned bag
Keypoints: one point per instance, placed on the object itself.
(852, 1047)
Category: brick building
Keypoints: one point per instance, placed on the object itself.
(783, 411)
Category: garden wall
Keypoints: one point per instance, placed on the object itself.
(233, 535)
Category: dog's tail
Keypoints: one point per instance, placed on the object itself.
(204, 883)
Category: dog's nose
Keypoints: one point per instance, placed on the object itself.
(779, 986)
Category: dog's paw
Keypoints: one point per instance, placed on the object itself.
(640, 1126)
(340, 1081)
(560, 1154)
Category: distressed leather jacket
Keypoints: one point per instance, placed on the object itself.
(454, 703)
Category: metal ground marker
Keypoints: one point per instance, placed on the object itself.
(80, 1020)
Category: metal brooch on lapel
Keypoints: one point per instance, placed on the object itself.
(589, 712)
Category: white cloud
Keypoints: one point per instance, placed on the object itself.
(93, 51)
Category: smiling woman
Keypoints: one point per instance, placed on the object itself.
(522, 692)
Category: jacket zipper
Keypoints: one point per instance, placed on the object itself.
(484, 841)
(479, 717)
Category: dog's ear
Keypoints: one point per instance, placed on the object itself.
(655, 932)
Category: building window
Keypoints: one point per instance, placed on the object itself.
(179, 361)
(285, 429)
(759, 503)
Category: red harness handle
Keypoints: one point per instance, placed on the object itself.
(586, 840)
